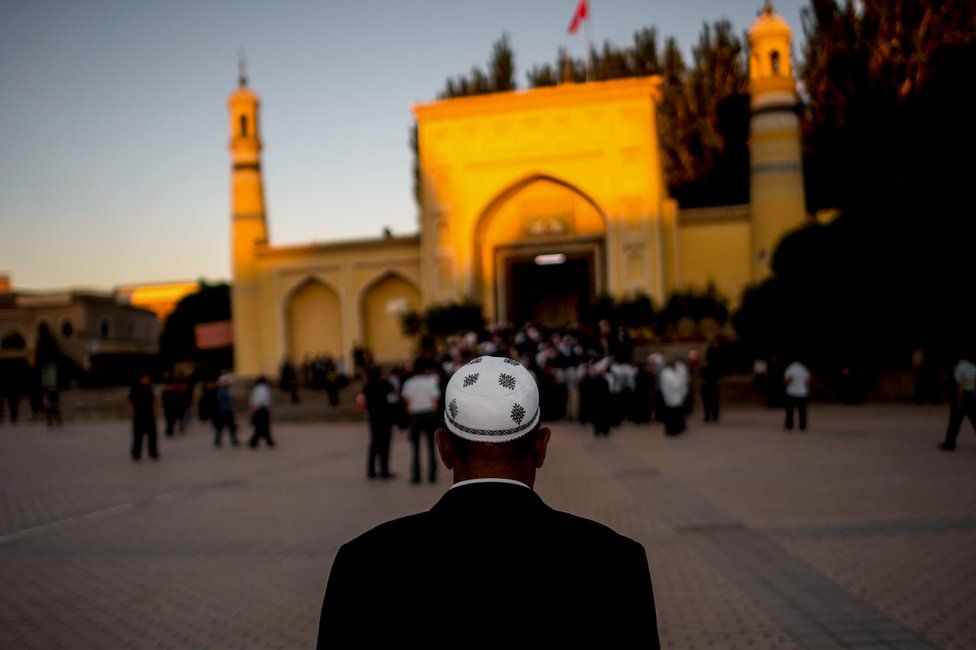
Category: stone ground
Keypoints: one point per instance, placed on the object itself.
(857, 533)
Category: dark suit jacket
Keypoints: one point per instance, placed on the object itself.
(489, 563)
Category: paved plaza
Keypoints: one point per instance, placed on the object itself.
(857, 533)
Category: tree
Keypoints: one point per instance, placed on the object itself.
(445, 319)
(178, 339)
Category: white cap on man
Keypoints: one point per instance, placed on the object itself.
(491, 399)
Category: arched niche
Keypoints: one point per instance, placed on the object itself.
(313, 321)
(381, 303)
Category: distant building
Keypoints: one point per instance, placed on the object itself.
(97, 337)
(532, 202)
(160, 298)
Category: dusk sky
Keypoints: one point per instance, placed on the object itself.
(113, 128)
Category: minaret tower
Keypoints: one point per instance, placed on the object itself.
(249, 227)
(776, 163)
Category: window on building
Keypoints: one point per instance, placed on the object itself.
(67, 329)
(774, 61)
(243, 126)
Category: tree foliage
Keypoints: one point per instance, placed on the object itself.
(864, 65)
(888, 111)
(445, 319)
(178, 340)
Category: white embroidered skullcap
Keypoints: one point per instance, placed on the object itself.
(491, 399)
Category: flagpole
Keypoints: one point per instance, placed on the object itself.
(586, 35)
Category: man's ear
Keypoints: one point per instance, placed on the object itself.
(445, 448)
(541, 445)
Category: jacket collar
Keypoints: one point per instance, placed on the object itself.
(488, 496)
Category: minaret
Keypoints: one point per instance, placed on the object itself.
(776, 163)
(249, 227)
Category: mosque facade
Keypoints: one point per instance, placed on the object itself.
(533, 203)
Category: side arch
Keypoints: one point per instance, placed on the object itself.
(381, 301)
(313, 320)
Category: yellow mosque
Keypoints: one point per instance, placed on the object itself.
(532, 203)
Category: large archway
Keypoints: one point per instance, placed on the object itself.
(382, 303)
(313, 316)
(540, 253)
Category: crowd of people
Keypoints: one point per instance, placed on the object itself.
(215, 405)
(591, 375)
(596, 376)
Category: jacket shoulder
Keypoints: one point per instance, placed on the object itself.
(591, 532)
(395, 531)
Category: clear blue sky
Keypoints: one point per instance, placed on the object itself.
(113, 160)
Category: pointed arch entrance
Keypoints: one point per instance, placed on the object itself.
(539, 252)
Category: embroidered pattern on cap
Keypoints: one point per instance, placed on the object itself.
(506, 381)
(470, 379)
(518, 413)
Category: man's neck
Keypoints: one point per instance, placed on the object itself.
(522, 476)
(508, 481)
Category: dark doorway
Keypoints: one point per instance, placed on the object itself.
(553, 294)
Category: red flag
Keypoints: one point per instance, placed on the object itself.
(582, 13)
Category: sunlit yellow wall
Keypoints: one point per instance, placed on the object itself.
(314, 321)
(713, 247)
(599, 139)
(383, 302)
(348, 269)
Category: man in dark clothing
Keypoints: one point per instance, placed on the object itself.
(380, 404)
(490, 562)
(142, 405)
(709, 385)
(598, 399)
(172, 404)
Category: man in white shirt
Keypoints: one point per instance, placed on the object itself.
(674, 392)
(963, 402)
(797, 381)
(421, 395)
(490, 565)
(260, 403)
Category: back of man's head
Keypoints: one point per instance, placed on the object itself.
(492, 422)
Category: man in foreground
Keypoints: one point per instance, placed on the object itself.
(490, 562)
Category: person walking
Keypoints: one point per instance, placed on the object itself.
(223, 414)
(674, 396)
(796, 378)
(963, 402)
(380, 402)
(421, 395)
(172, 405)
(51, 396)
(260, 403)
(517, 573)
(142, 406)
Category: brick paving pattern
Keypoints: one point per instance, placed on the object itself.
(856, 534)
